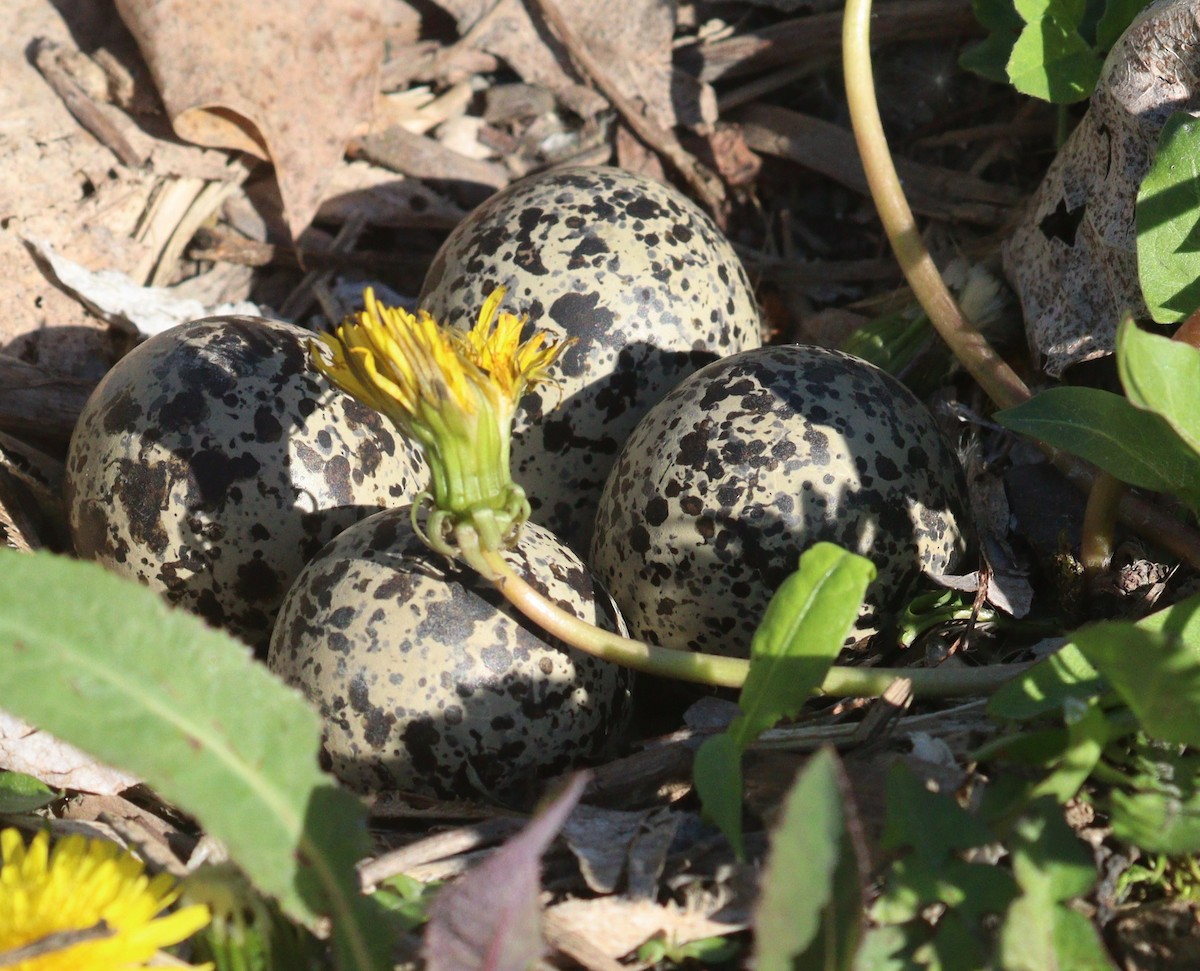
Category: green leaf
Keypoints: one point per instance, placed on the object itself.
(1118, 15)
(1046, 686)
(1051, 865)
(803, 630)
(932, 824)
(809, 911)
(1155, 672)
(1048, 859)
(20, 793)
(717, 771)
(1037, 936)
(886, 949)
(105, 665)
(1156, 822)
(1163, 376)
(989, 57)
(1167, 219)
(1088, 732)
(953, 948)
(801, 633)
(1050, 59)
(1134, 445)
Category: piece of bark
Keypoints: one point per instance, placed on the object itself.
(704, 183)
(634, 35)
(37, 400)
(830, 150)
(1073, 257)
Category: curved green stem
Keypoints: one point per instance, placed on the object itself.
(712, 669)
(968, 345)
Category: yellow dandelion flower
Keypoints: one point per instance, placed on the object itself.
(455, 393)
(91, 887)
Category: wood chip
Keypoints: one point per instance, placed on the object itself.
(471, 180)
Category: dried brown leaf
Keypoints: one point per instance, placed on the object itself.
(288, 80)
(617, 925)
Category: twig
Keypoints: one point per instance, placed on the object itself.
(702, 181)
(85, 111)
(439, 846)
(301, 298)
(802, 40)
(827, 148)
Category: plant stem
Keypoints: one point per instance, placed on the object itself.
(968, 345)
(712, 669)
(1099, 523)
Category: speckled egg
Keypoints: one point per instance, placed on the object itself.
(637, 273)
(213, 461)
(425, 680)
(749, 462)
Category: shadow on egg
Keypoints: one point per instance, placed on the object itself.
(563, 450)
(212, 462)
(428, 681)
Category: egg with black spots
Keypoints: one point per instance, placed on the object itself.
(632, 269)
(749, 462)
(428, 681)
(213, 460)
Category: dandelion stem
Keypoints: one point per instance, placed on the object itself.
(712, 669)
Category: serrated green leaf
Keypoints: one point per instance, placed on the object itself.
(1156, 822)
(108, 667)
(717, 774)
(1167, 219)
(1155, 672)
(1045, 687)
(1163, 376)
(810, 905)
(803, 630)
(1050, 59)
(1136, 446)
(20, 793)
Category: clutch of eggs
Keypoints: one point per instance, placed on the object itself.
(637, 273)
